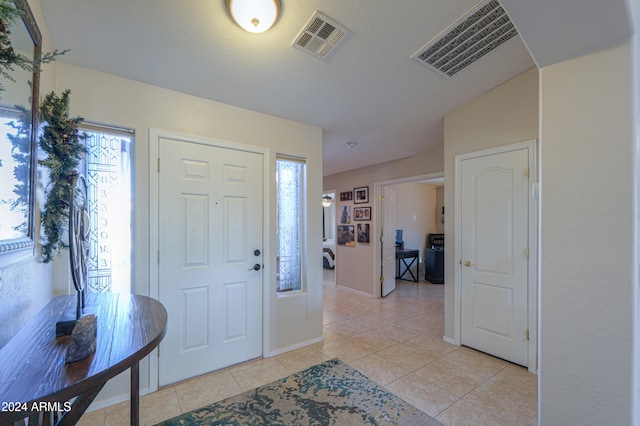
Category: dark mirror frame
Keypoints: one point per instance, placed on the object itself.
(15, 250)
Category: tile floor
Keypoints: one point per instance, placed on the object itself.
(396, 341)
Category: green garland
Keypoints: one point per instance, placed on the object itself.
(10, 15)
(61, 141)
(9, 58)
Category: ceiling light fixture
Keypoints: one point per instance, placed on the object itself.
(255, 16)
(351, 144)
(327, 200)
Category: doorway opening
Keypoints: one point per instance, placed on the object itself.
(329, 257)
(409, 218)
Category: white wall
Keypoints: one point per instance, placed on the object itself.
(588, 214)
(294, 319)
(505, 115)
(415, 215)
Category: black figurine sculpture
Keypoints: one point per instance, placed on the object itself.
(79, 229)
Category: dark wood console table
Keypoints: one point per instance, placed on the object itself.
(401, 256)
(35, 381)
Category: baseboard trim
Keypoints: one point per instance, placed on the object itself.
(104, 403)
(364, 293)
(449, 340)
(293, 347)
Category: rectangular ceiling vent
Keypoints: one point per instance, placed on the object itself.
(320, 36)
(475, 34)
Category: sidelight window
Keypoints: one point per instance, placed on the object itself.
(108, 176)
(290, 184)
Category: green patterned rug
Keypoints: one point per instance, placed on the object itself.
(331, 393)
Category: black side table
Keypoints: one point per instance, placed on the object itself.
(401, 259)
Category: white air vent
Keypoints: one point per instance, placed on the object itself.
(320, 36)
(468, 39)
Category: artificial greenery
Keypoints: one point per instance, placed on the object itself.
(9, 58)
(10, 15)
(61, 141)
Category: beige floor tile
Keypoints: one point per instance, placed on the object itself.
(514, 404)
(338, 315)
(94, 418)
(450, 377)
(345, 349)
(206, 390)
(424, 395)
(154, 408)
(345, 329)
(401, 330)
(300, 359)
(378, 369)
(374, 340)
(364, 324)
(515, 375)
(432, 346)
(159, 406)
(258, 373)
(477, 362)
(406, 356)
(330, 336)
(464, 414)
(118, 414)
(429, 326)
(369, 321)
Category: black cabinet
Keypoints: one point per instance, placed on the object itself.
(434, 265)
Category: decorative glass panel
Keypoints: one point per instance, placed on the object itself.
(289, 215)
(108, 172)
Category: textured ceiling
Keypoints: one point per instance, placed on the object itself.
(367, 91)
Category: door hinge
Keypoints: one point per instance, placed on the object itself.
(526, 253)
(526, 172)
(158, 164)
(381, 280)
(158, 257)
(526, 334)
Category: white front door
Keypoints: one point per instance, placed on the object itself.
(494, 254)
(210, 238)
(388, 210)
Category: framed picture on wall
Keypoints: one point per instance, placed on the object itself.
(362, 195)
(363, 233)
(345, 214)
(362, 213)
(345, 236)
(346, 196)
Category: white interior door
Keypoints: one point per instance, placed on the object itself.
(388, 245)
(494, 254)
(210, 238)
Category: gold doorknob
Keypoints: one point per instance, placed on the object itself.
(467, 263)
